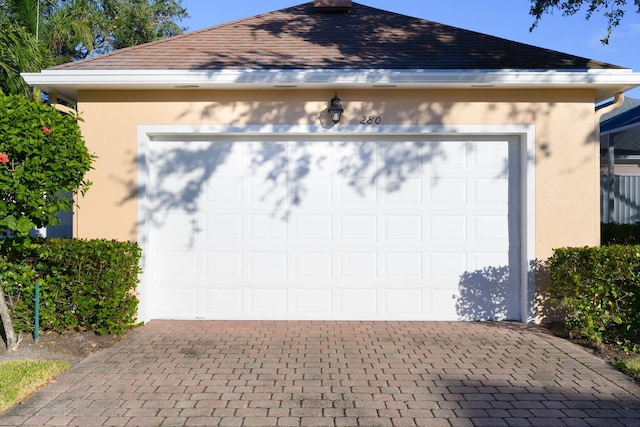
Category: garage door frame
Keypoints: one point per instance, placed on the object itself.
(525, 134)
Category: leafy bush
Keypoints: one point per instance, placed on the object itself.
(18, 282)
(84, 285)
(630, 367)
(598, 289)
(43, 158)
(620, 234)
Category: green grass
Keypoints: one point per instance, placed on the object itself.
(21, 378)
(630, 367)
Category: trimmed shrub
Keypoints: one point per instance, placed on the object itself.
(598, 290)
(18, 282)
(84, 285)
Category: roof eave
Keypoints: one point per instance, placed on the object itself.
(607, 130)
(67, 83)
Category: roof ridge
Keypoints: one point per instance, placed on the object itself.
(296, 37)
(236, 21)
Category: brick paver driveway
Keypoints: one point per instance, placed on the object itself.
(336, 374)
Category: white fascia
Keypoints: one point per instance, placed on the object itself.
(68, 82)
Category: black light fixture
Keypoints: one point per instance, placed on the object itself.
(335, 109)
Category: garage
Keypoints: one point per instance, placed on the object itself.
(333, 227)
(274, 168)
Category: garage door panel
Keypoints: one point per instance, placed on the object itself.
(358, 303)
(272, 303)
(313, 228)
(177, 302)
(177, 170)
(362, 229)
(224, 190)
(225, 159)
(268, 265)
(227, 302)
(312, 193)
(403, 191)
(224, 265)
(403, 304)
(268, 158)
(313, 266)
(487, 290)
(448, 229)
(356, 159)
(491, 191)
(358, 193)
(403, 159)
(445, 192)
(403, 227)
(312, 161)
(484, 260)
(171, 265)
(268, 194)
(267, 227)
(175, 230)
(445, 265)
(222, 228)
(488, 228)
(490, 155)
(440, 304)
(313, 303)
(357, 266)
(358, 228)
(403, 265)
(450, 154)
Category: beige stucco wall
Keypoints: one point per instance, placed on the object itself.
(567, 153)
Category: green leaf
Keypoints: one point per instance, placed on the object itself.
(42, 169)
(24, 225)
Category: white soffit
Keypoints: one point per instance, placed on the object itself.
(67, 83)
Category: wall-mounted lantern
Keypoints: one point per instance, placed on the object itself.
(335, 109)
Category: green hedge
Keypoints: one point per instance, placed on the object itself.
(598, 290)
(620, 234)
(86, 285)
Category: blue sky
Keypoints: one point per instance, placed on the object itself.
(509, 19)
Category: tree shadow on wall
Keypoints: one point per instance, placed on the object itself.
(193, 167)
(485, 294)
(492, 293)
(363, 164)
(182, 175)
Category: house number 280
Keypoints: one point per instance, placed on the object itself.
(371, 120)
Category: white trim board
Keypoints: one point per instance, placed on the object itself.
(605, 83)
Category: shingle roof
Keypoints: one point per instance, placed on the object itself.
(622, 128)
(618, 117)
(624, 117)
(365, 38)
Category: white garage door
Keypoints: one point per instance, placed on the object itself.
(332, 228)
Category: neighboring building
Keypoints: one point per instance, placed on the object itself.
(620, 163)
(459, 159)
(620, 131)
